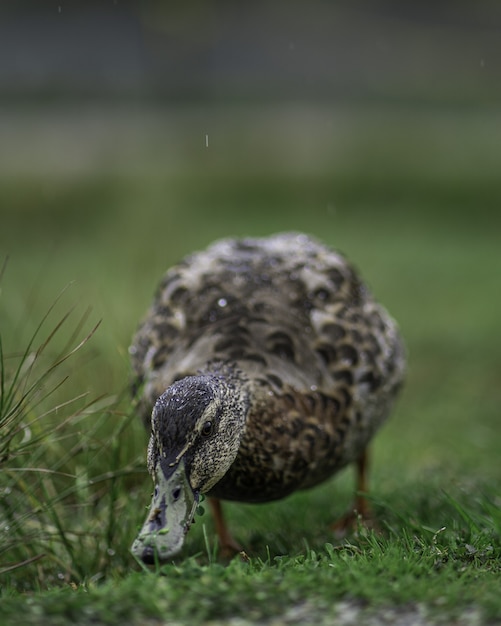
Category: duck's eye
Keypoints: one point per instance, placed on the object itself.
(207, 429)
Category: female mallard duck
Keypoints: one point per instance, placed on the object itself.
(263, 366)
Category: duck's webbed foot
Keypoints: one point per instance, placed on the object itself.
(360, 514)
(352, 521)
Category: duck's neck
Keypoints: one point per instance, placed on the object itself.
(227, 370)
(235, 385)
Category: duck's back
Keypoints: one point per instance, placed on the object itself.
(286, 309)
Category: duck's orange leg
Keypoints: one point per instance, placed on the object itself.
(228, 546)
(360, 509)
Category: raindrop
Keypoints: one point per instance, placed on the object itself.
(60, 576)
(26, 434)
(110, 552)
(222, 302)
(313, 388)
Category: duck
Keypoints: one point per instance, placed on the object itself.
(263, 366)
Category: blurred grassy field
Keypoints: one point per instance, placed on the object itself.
(106, 199)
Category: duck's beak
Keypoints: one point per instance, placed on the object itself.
(170, 516)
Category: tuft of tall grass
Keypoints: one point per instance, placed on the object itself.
(62, 466)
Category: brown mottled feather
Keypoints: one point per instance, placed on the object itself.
(293, 323)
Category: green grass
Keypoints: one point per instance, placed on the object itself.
(59, 505)
(73, 487)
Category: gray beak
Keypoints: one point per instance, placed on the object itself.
(169, 519)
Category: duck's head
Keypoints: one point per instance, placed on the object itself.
(196, 428)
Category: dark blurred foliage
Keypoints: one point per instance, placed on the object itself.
(203, 49)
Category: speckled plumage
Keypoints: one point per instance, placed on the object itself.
(287, 323)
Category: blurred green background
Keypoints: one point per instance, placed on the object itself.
(133, 134)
